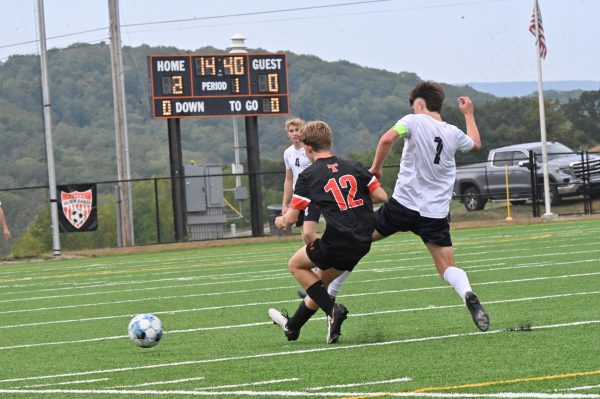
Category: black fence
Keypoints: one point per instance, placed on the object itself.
(218, 207)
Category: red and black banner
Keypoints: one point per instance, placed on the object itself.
(77, 208)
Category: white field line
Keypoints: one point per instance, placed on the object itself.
(472, 269)
(263, 278)
(63, 383)
(226, 327)
(249, 384)
(362, 384)
(287, 394)
(423, 256)
(583, 388)
(148, 384)
(262, 257)
(276, 276)
(154, 298)
(253, 273)
(267, 303)
(291, 353)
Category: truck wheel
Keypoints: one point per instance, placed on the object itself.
(554, 195)
(473, 199)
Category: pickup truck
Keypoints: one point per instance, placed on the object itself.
(477, 183)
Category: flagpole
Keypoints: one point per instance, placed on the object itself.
(542, 111)
(48, 131)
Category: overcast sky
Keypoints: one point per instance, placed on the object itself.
(453, 41)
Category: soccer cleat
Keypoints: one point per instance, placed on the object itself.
(334, 323)
(281, 320)
(478, 313)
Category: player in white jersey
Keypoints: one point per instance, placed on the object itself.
(296, 161)
(421, 199)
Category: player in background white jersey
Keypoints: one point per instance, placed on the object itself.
(296, 161)
(421, 199)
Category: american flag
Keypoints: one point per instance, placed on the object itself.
(542, 39)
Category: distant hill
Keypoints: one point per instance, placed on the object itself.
(520, 89)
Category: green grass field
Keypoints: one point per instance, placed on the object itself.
(63, 324)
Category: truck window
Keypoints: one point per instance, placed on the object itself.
(508, 158)
(518, 157)
(502, 159)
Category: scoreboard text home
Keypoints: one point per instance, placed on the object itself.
(204, 85)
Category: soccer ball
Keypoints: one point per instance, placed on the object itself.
(145, 330)
(77, 216)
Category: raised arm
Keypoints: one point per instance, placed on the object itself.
(465, 105)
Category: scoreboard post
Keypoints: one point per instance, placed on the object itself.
(217, 85)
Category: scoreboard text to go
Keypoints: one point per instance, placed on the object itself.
(203, 85)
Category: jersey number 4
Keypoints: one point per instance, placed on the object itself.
(335, 187)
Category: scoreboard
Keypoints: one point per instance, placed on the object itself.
(207, 85)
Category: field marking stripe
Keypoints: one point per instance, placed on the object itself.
(361, 384)
(513, 381)
(502, 395)
(169, 312)
(295, 352)
(146, 384)
(264, 323)
(63, 383)
(256, 383)
(490, 383)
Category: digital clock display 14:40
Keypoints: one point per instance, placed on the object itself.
(203, 85)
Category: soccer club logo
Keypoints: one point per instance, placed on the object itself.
(77, 206)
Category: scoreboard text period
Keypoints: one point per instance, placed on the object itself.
(203, 85)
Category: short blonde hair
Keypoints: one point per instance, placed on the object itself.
(295, 122)
(317, 134)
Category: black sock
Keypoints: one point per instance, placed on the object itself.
(318, 293)
(302, 315)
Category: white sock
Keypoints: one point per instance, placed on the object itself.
(336, 285)
(458, 279)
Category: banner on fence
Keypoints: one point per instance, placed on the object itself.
(77, 208)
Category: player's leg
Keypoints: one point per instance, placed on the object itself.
(301, 268)
(334, 288)
(443, 258)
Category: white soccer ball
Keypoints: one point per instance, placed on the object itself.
(145, 330)
(77, 216)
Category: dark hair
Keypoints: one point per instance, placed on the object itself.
(430, 91)
(316, 134)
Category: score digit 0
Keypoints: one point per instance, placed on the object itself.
(268, 83)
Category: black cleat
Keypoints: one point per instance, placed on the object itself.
(334, 323)
(281, 320)
(478, 313)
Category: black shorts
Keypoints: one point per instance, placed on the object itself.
(341, 257)
(393, 217)
(311, 214)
